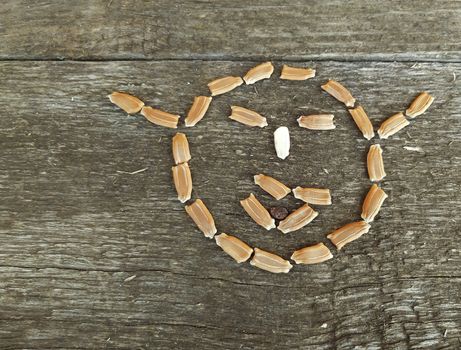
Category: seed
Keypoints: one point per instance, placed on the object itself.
(233, 246)
(282, 142)
(319, 196)
(223, 85)
(260, 72)
(182, 181)
(202, 218)
(313, 254)
(158, 117)
(294, 73)
(181, 153)
(270, 262)
(419, 105)
(375, 163)
(298, 219)
(272, 186)
(339, 92)
(392, 125)
(247, 117)
(317, 122)
(372, 203)
(279, 213)
(257, 212)
(128, 103)
(363, 122)
(198, 110)
(348, 233)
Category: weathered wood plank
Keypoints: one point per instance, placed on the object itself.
(73, 228)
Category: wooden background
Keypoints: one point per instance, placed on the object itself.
(93, 257)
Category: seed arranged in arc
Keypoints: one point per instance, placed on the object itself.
(419, 105)
(282, 142)
(372, 203)
(127, 102)
(375, 163)
(313, 254)
(247, 117)
(317, 122)
(237, 249)
(270, 262)
(182, 179)
(392, 125)
(272, 186)
(257, 212)
(197, 110)
(295, 73)
(362, 121)
(223, 85)
(180, 146)
(259, 72)
(202, 218)
(159, 117)
(318, 196)
(348, 233)
(298, 219)
(339, 92)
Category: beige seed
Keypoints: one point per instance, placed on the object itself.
(223, 85)
(317, 122)
(128, 103)
(363, 122)
(158, 117)
(313, 254)
(257, 212)
(372, 203)
(419, 105)
(247, 117)
(294, 73)
(202, 218)
(348, 233)
(272, 186)
(392, 125)
(198, 110)
(319, 196)
(298, 219)
(181, 153)
(260, 72)
(182, 181)
(375, 163)
(233, 246)
(270, 262)
(339, 92)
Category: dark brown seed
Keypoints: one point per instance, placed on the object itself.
(279, 213)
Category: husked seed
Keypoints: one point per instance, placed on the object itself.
(158, 117)
(319, 196)
(294, 73)
(181, 153)
(282, 142)
(272, 186)
(419, 105)
(223, 85)
(128, 103)
(279, 213)
(392, 125)
(298, 219)
(257, 212)
(182, 181)
(317, 122)
(233, 246)
(202, 218)
(270, 262)
(372, 203)
(261, 71)
(348, 233)
(362, 121)
(313, 254)
(339, 92)
(375, 163)
(198, 110)
(247, 117)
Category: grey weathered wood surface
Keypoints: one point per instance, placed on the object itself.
(74, 225)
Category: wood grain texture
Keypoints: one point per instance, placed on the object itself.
(74, 224)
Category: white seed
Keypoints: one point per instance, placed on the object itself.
(223, 85)
(233, 246)
(298, 219)
(202, 218)
(319, 196)
(158, 117)
(419, 105)
(375, 163)
(313, 254)
(348, 233)
(197, 110)
(270, 262)
(257, 212)
(272, 186)
(363, 122)
(339, 92)
(317, 122)
(182, 181)
(372, 203)
(294, 73)
(128, 103)
(392, 125)
(261, 71)
(282, 142)
(180, 146)
(247, 117)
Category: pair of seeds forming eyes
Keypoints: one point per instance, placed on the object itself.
(202, 217)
